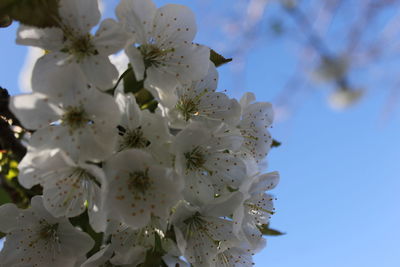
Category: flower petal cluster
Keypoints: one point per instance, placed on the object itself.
(181, 183)
(162, 51)
(73, 43)
(139, 188)
(36, 238)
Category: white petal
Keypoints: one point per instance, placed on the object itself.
(36, 163)
(131, 114)
(198, 189)
(173, 261)
(60, 79)
(8, 214)
(137, 16)
(223, 205)
(99, 258)
(80, 15)
(65, 193)
(162, 84)
(97, 216)
(74, 242)
(95, 143)
(33, 110)
(136, 60)
(195, 61)
(110, 37)
(265, 182)
(247, 99)
(208, 82)
(235, 257)
(227, 170)
(40, 211)
(101, 107)
(174, 23)
(132, 207)
(99, 70)
(51, 137)
(134, 256)
(47, 38)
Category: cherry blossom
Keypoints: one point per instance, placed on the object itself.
(72, 42)
(35, 238)
(162, 51)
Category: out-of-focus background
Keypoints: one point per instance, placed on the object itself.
(332, 70)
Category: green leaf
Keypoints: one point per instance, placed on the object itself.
(152, 105)
(265, 230)
(4, 197)
(131, 85)
(217, 59)
(143, 97)
(276, 143)
(154, 256)
(231, 189)
(38, 13)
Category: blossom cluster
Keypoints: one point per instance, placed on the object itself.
(182, 181)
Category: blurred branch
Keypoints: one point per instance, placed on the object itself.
(302, 21)
(8, 140)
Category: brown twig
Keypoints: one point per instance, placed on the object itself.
(8, 141)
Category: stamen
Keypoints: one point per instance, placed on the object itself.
(133, 139)
(195, 159)
(187, 107)
(139, 182)
(79, 46)
(74, 117)
(153, 55)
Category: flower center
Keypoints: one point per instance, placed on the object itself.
(74, 117)
(139, 182)
(80, 46)
(187, 107)
(133, 139)
(153, 55)
(195, 159)
(48, 231)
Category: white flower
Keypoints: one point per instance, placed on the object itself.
(256, 209)
(205, 158)
(343, 98)
(35, 238)
(72, 42)
(199, 101)
(163, 52)
(103, 258)
(234, 257)
(69, 188)
(142, 129)
(174, 261)
(130, 246)
(139, 188)
(257, 117)
(81, 121)
(202, 233)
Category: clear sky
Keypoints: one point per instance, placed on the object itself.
(340, 189)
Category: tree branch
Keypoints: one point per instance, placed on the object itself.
(8, 141)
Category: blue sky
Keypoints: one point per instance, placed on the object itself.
(339, 193)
